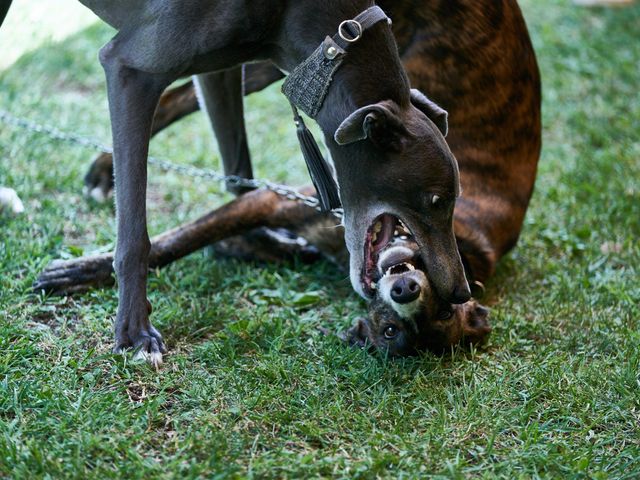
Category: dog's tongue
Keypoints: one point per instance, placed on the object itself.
(386, 225)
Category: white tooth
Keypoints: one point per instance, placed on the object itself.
(374, 286)
(377, 227)
(410, 267)
(374, 237)
(396, 233)
(404, 237)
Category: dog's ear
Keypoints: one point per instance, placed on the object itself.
(377, 122)
(437, 115)
(475, 326)
(358, 334)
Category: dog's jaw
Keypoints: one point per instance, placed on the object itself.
(395, 263)
(407, 311)
(356, 236)
(367, 237)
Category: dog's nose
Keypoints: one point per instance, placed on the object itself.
(405, 290)
(461, 295)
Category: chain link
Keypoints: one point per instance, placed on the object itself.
(166, 165)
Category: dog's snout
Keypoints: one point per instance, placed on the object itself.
(405, 290)
(461, 294)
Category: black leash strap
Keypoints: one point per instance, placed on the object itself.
(307, 87)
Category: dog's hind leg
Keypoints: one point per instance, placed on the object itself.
(220, 96)
(247, 212)
(133, 96)
(259, 75)
(175, 103)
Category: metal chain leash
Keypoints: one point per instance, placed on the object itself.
(166, 165)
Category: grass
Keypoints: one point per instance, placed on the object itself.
(251, 388)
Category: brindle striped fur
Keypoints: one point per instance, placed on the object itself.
(475, 58)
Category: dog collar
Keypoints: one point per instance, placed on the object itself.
(307, 85)
(306, 88)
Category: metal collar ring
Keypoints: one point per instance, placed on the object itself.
(344, 33)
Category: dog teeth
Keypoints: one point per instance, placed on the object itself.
(407, 265)
(374, 286)
(402, 232)
(377, 228)
(374, 237)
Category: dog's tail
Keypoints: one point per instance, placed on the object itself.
(4, 8)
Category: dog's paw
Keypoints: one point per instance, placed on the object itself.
(98, 182)
(63, 277)
(147, 346)
(10, 200)
(359, 335)
(153, 358)
(475, 323)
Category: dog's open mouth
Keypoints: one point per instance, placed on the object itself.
(399, 269)
(385, 230)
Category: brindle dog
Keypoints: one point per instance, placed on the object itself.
(474, 58)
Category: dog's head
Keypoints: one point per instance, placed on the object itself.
(405, 315)
(396, 169)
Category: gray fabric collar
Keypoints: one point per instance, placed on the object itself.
(306, 88)
(307, 85)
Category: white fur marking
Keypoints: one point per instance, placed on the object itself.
(407, 310)
(200, 96)
(154, 358)
(98, 195)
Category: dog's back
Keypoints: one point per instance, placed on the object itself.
(475, 58)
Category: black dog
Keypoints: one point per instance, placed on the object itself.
(475, 58)
(391, 160)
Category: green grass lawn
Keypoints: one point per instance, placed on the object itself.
(251, 387)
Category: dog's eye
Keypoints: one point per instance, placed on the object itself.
(434, 200)
(390, 332)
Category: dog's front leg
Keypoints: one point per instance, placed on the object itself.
(133, 96)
